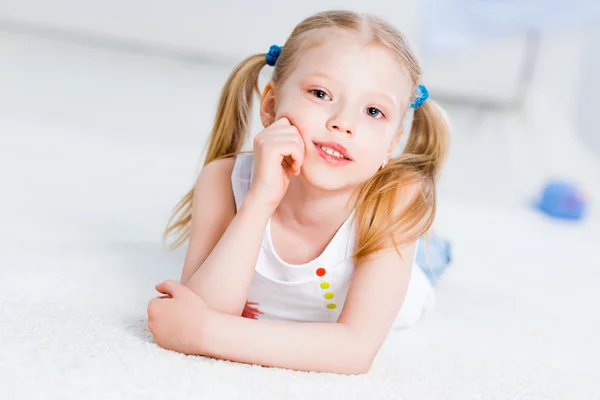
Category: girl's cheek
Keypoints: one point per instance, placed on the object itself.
(303, 130)
(308, 118)
(297, 118)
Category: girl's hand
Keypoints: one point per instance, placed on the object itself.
(278, 154)
(177, 319)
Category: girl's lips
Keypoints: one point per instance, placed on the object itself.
(333, 160)
(335, 146)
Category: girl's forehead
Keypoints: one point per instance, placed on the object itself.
(354, 64)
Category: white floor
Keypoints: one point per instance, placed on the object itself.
(97, 145)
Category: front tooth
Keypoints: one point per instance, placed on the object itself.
(332, 152)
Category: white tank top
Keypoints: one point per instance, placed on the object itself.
(315, 291)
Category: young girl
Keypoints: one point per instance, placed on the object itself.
(301, 254)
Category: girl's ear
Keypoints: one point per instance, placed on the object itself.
(267, 105)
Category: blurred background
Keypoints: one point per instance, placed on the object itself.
(105, 109)
(142, 80)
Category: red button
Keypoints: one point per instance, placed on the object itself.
(321, 271)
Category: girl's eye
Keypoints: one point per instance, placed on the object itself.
(320, 94)
(374, 112)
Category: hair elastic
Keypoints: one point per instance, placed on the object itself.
(422, 95)
(273, 55)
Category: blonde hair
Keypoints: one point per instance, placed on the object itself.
(377, 203)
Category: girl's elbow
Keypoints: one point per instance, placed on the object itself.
(366, 363)
(351, 361)
(357, 367)
(361, 361)
(359, 353)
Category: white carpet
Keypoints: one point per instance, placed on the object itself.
(97, 146)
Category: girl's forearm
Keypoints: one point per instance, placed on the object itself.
(223, 280)
(320, 347)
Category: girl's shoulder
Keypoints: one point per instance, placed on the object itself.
(219, 170)
(227, 175)
(215, 180)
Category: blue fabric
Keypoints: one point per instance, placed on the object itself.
(435, 260)
(422, 95)
(273, 54)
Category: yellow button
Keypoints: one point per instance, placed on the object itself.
(329, 295)
(325, 285)
(331, 306)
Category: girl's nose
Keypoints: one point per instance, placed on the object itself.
(342, 123)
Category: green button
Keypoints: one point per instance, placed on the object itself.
(331, 306)
(329, 295)
(325, 285)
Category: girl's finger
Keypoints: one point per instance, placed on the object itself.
(169, 287)
(283, 121)
(299, 156)
(294, 146)
(289, 137)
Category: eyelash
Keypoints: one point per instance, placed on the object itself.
(315, 91)
(378, 110)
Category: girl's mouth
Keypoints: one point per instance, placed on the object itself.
(333, 153)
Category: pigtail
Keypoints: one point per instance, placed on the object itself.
(227, 137)
(427, 143)
(378, 213)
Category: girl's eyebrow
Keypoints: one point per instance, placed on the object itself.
(318, 74)
(384, 96)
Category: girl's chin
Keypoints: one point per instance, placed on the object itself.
(326, 178)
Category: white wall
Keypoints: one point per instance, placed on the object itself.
(587, 103)
(490, 72)
(232, 29)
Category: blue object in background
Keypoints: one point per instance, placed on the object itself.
(435, 259)
(561, 200)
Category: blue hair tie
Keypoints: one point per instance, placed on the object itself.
(273, 55)
(422, 95)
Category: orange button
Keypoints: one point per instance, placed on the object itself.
(321, 271)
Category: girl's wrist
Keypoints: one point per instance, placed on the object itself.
(254, 204)
(208, 339)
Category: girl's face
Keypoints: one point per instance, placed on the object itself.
(347, 100)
